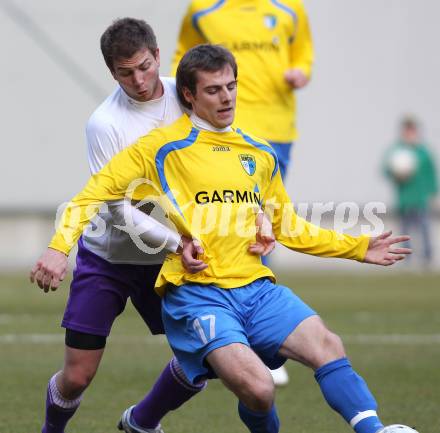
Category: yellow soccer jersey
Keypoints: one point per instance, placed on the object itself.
(267, 37)
(212, 184)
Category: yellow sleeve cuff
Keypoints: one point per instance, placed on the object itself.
(59, 244)
(364, 242)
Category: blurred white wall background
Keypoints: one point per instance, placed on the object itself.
(375, 61)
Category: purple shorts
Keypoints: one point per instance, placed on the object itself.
(99, 292)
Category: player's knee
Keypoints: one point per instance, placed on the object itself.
(260, 393)
(320, 346)
(266, 396)
(331, 348)
(76, 379)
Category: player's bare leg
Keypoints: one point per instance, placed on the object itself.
(242, 371)
(65, 388)
(312, 344)
(79, 369)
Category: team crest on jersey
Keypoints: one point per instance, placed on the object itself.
(270, 21)
(248, 162)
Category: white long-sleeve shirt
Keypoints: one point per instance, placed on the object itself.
(118, 122)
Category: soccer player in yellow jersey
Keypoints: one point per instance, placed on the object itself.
(232, 320)
(273, 47)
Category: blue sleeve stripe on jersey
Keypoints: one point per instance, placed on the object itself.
(200, 14)
(261, 146)
(285, 8)
(161, 155)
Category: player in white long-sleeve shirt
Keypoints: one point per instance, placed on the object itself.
(109, 267)
(119, 121)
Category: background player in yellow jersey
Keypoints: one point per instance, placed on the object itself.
(231, 319)
(272, 44)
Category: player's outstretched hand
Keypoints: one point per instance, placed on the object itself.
(382, 249)
(265, 239)
(50, 270)
(191, 250)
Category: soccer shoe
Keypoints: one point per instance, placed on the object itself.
(280, 376)
(125, 424)
(397, 428)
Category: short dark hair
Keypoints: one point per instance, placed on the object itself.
(125, 37)
(205, 57)
(409, 122)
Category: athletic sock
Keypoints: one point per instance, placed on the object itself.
(170, 391)
(348, 394)
(58, 409)
(259, 422)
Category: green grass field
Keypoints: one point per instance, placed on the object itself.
(389, 322)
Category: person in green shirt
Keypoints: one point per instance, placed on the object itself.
(411, 168)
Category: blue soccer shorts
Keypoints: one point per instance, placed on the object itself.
(201, 318)
(283, 151)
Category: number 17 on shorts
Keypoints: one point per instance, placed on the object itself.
(205, 327)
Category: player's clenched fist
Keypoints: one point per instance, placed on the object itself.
(50, 270)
